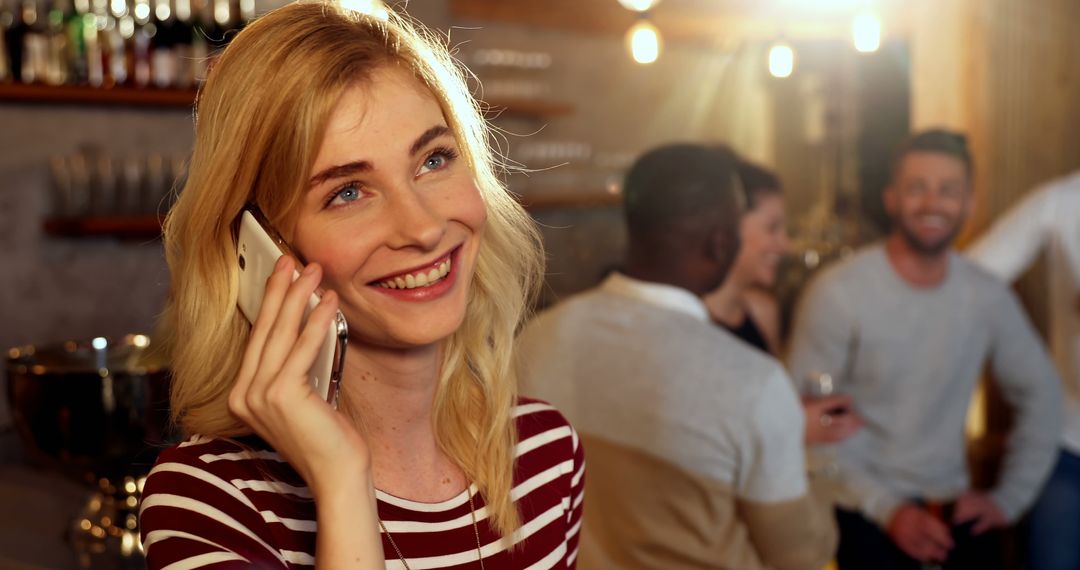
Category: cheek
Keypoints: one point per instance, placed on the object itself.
(466, 206)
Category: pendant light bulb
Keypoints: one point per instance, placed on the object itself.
(781, 60)
(643, 40)
(638, 5)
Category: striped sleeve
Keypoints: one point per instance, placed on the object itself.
(192, 518)
(577, 502)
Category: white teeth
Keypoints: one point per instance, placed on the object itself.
(420, 279)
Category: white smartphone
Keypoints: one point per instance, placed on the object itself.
(258, 248)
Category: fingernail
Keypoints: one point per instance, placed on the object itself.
(310, 269)
(282, 261)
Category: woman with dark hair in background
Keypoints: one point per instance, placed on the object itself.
(744, 306)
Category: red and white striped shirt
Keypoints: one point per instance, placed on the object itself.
(219, 503)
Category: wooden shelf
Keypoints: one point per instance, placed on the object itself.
(185, 98)
(564, 200)
(105, 96)
(123, 227)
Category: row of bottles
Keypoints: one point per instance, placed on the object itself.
(102, 43)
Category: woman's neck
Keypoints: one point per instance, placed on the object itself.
(726, 303)
(389, 394)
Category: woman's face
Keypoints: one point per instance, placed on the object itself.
(392, 214)
(763, 241)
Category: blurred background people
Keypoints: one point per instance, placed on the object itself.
(1048, 221)
(744, 305)
(694, 439)
(905, 327)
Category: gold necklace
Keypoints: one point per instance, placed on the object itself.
(476, 531)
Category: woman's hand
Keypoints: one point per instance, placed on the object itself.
(830, 419)
(273, 395)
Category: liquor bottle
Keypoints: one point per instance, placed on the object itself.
(74, 23)
(7, 20)
(140, 44)
(115, 27)
(58, 66)
(163, 58)
(35, 55)
(182, 44)
(200, 47)
(97, 44)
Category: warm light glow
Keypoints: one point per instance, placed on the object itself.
(638, 5)
(866, 32)
(644, 42)
(140, 341)
(119, 8)
(374, 8)
(781, 60)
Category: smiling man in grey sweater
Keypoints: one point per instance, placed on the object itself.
(905, 328)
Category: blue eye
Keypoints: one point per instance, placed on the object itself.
(438, 159)
(346, 194)
(434, 161)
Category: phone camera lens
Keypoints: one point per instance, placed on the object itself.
(243, 263)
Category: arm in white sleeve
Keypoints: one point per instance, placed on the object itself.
(1013, 243)
(789, 528)
(1029, 382)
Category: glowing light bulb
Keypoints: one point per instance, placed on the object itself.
(638, 5)
(643, 39)
(866, 32)
(781, 60)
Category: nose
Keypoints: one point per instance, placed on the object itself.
(416, 222)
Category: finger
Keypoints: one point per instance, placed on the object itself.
(982, 524)
(937, 533)
(286, 327)
(276, 286)
(965, 511)
(311, 338)
(935, 553)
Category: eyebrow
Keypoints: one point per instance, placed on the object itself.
(350, 168)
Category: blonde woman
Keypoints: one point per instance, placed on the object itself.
(359, 141)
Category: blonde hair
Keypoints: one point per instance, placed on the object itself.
(260, 120)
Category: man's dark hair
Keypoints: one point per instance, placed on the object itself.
(938, 141)
(681, 193)
(758, 182)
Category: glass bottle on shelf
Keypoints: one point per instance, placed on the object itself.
(182, 49)
(117, 23)
(92, 42)
(7, 20)
(35, 54)
(161, 45)
(200, 47)
(74, 25)
(141, 42)
(58, 66)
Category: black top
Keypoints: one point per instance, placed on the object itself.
(749, 332)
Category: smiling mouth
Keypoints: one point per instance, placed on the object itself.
(424, 276)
